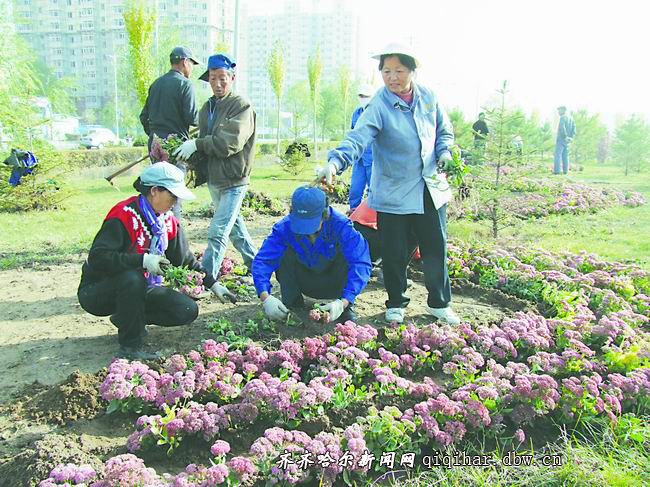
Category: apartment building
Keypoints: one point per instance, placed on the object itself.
(80, 37)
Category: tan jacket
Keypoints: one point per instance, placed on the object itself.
(230, 147)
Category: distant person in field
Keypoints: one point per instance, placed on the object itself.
(566, 131)
(315, 252)
(481, 131)
(411, 137)
(362, 169)
(122, 276)
(227, 128)
(171, 105)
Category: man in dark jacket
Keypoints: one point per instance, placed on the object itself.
(171, 106)
(316, 252)
(481, 131)
(227, 142)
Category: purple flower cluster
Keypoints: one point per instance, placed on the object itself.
(128, 470)
(69, 474)
(201, 476)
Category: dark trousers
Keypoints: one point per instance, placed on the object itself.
(131, 305)
(430, 230)
(296, 279)
(374, 243)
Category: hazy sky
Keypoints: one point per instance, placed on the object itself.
(579, 53)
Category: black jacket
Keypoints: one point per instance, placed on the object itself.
(125, 237)
(170, 107)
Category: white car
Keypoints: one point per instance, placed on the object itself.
(98, 138)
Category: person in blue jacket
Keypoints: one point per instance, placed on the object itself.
(316, 252)
(566, 131)
(362, 169)
(411, 137)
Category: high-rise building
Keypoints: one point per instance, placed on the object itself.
(333, 27)
(79, 37)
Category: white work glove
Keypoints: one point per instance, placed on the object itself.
(152, 263)
(327, 173)
(186, 149)
(222, 293)
(274, 308)
(335, 309)
(445, 159)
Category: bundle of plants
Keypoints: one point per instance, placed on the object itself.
(187, 281)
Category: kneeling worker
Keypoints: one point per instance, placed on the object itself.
(122, 274)
(316, 252)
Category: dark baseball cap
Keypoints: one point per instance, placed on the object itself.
(307, 206)
(179, 53)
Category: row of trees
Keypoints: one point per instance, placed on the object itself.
(327, 105)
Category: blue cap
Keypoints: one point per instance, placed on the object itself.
(307, 206)
(217, 61)
(179, 53)
(167, 176)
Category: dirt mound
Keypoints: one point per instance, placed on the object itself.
(33, 465)
(75, 398)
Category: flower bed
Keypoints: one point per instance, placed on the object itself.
(538, 199)
(402, 390)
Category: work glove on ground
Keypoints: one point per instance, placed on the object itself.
(335, 309)
(154, 263)
(327, 173)
(274, 308)
(222, 293)
(186, 149)
(445, 159)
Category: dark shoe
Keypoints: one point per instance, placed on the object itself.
(347, 315)
(132, 353)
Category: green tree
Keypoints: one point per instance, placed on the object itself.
(504, 125)
(314, 71)
(139, 22)
(344, 93)
(589, 131)
(631, 146)
(299, 104)
(56, 90)
(462, 129)
(276, 70)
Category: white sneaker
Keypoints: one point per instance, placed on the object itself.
(395, 315)
(445, 314)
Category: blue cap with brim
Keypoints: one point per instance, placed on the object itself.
(307, 206)
(217, 61)
(168, 176)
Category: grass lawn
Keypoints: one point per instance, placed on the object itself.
(616, 233)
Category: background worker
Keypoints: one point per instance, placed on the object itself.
(316, 252)
(122, 274)
(171, 105)
(362, 169)
(227, 127)
(566, 131)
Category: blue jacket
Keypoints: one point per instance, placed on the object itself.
(337, 235)
(566, 129)
(407, 143)
(366, 158)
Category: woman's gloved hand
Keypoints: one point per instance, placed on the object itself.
(154, 263)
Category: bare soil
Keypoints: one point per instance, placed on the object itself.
(54, 357)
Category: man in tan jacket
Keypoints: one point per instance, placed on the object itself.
(227, 141)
